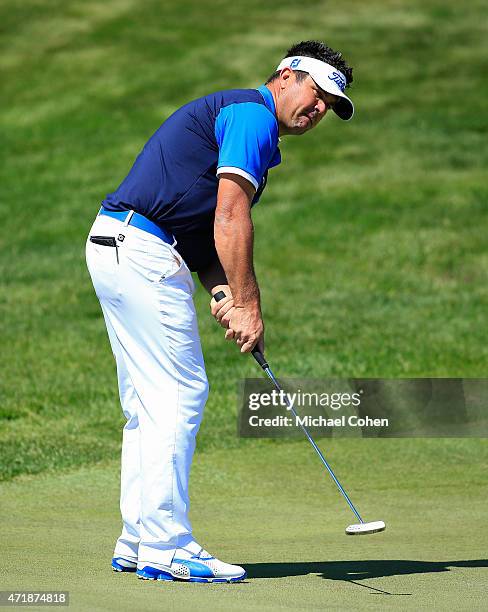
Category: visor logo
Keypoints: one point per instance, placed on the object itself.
(338, 80)
(295, 62)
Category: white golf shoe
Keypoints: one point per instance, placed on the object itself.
(199, 568)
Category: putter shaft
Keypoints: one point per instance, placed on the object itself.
(259, 357)
(270, 374)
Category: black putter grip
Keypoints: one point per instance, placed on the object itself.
(258, 356)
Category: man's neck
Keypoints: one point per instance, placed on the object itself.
(274, 89)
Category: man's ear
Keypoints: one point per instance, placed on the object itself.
(286, 77)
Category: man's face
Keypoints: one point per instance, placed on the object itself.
(303, 104)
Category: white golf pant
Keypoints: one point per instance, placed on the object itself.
(145, 291)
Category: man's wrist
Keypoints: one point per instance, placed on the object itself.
(246, 294)
(248, 305)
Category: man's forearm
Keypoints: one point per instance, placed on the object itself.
(212, 276)
(234, 241)
(234, 237)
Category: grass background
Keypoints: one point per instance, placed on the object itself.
(370, 241)
(370, 250)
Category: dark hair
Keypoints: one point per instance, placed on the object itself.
(320, 51)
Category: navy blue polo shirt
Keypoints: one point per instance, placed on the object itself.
(174, 180)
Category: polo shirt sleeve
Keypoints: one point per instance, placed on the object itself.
(247, 137)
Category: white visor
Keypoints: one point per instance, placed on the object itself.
(327, 77)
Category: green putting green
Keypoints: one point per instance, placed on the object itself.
(372, 257)
(271, 508)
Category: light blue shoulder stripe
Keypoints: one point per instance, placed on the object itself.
(245, 111)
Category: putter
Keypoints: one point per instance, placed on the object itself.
(360, 528)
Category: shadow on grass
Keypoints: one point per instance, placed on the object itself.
(350, 571)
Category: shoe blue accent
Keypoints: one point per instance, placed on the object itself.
(153, 573)
(197, 570)
(117, 567)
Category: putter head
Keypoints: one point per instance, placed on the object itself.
(365, 528)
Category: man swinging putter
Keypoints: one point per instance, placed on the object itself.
(186, 206)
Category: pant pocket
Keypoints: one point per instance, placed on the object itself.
(103, 266)
(157, 263)
(176, 265)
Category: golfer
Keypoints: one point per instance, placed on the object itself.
(186, 206)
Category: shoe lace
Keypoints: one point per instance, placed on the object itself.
(202, 554)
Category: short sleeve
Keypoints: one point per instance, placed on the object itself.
(247, 137)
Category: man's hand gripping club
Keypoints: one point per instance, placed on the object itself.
(245, 325)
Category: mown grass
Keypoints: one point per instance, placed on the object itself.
(281, 518)
(370, 240)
